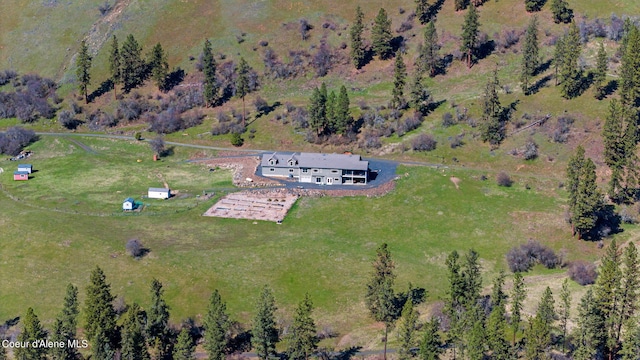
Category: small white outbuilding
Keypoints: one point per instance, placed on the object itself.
(159, 193)
(128, 204)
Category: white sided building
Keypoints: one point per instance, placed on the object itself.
(159, 193)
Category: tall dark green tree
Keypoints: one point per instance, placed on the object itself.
(620, 136)
(429, 56)
(631, 345)
(185, 347)
(492, 127)
(518, 295)
(629, 286)
(318, 109)
(341, 112)
(331, 111)
(83, 70)
(100, 317)
(630, 67)
(558, 58)
(561, 11)
(574, 171)
(358, 51)
(475, 335)
(600, 73)
(584, 215)
(134, 345)
(570, 73)
(470, 30)
(399, 80)
(31, 331)
(423, 11)
(159, 67)
(497, 323)
(209, 67)
(530, 55)
(380, 297)
(381, 35)
(461, 4)
(265, 332)
(455, 299)
(242, 85)
(133, 67)
(534, 5)
(589, 335)
(538, 333)
(430, 344)
(115, 67)
(65, 326)
(407, 330)
(302, 340)
(421, 99)
(216, 325)
(564, 311)
(158, 331)
(471, 278)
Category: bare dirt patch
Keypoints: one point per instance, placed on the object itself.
(243, 168)
(271, 205)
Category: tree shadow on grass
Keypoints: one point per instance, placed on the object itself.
(610, 88)
(174, 78)
(105, 87)
(533, 89)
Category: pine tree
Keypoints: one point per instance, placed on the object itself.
(317, 110)
(132, 65)
(302, 340)
(430, 345)
(565, 310)
(133, 339)
(421, 99)
(600, 75)
(159, 67)
(31, 331)
(343, 119)
(115, 69)
(461, 4)
(380, 297)
(83, 68)
(185, 347)
(470, 34)
(65, 326)
(242, 85)
(570, 74)
(631, 345)
(534, 5)
(331, 111)
(538, 339)
(476, 334)
(492, 127)
(590, 333)
(496, 323)
(211, 87)
(558, 58)
(546, 310)
(588, 201)
(357, 44)
(471, 279)
(381, 35)
(561, 11)
(407, 329)
(630, 67)
(429, 57)
(574, 170)
(530, 55)
(629, 286)
(265, 333)
(100, 317)
(454, 299)
(216, 325)
(423, 11)
(399, 80)
(158, 331)
(518, 295)
(619, 134)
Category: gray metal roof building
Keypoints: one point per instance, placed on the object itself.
(324, 169)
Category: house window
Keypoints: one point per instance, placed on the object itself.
(334, 171)
(272, 169)
(315, 170)
(305, 170)
(318, 180)
(290, 170)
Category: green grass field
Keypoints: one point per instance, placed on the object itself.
(323, 247)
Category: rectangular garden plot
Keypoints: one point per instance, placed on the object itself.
(254, 205)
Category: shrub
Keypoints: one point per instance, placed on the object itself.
(447, 120)
(518, 260)
(6, 76)
(66, 119)
(157, 145)
(563, 127)
(236, 139)
(222, 117)
(530, 150)
(503, 179)
(304, 29)
(424, 142)
(456, 141)
(135, 248)
(582, 272)
(261, 105)
(105, 8)
(99, 120)
(15, 139)
(522, 258)
(322, 60)
(192, 118)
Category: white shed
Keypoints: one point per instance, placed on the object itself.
(128, 204)
(159, 193)
(26, 168)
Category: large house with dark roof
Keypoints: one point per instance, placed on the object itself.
(321, 169)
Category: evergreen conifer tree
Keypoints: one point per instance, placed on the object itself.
(421, 99)
(133, 340)
(357, 44)
(590, 333)
(83, 68)
(265, 333)
(423, 11)
(530, 55)
(558, 58)
(211, 88)
(343, 119)
(496, 323)
(158, 331)
(185, 347)
(332, 102)
(534, 5)
(429, 57)
(475, 336)
(600, 75)
(242, 85)
(588, 201)
(492, 126)
(381, 35)
(216, 325)
(455, 299)
(430, 344)
(630, 67)
(317, 110)
(159, 67)
(407, 329)
(133, 67)
(302, 340)
(100, 317)
(470, 30)
(518, 295)
(461, 4)
(31, 331)
(561, 11)
(65, 326)
(399, 80)
(565, 310)
(570, 73)
(115, 68)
